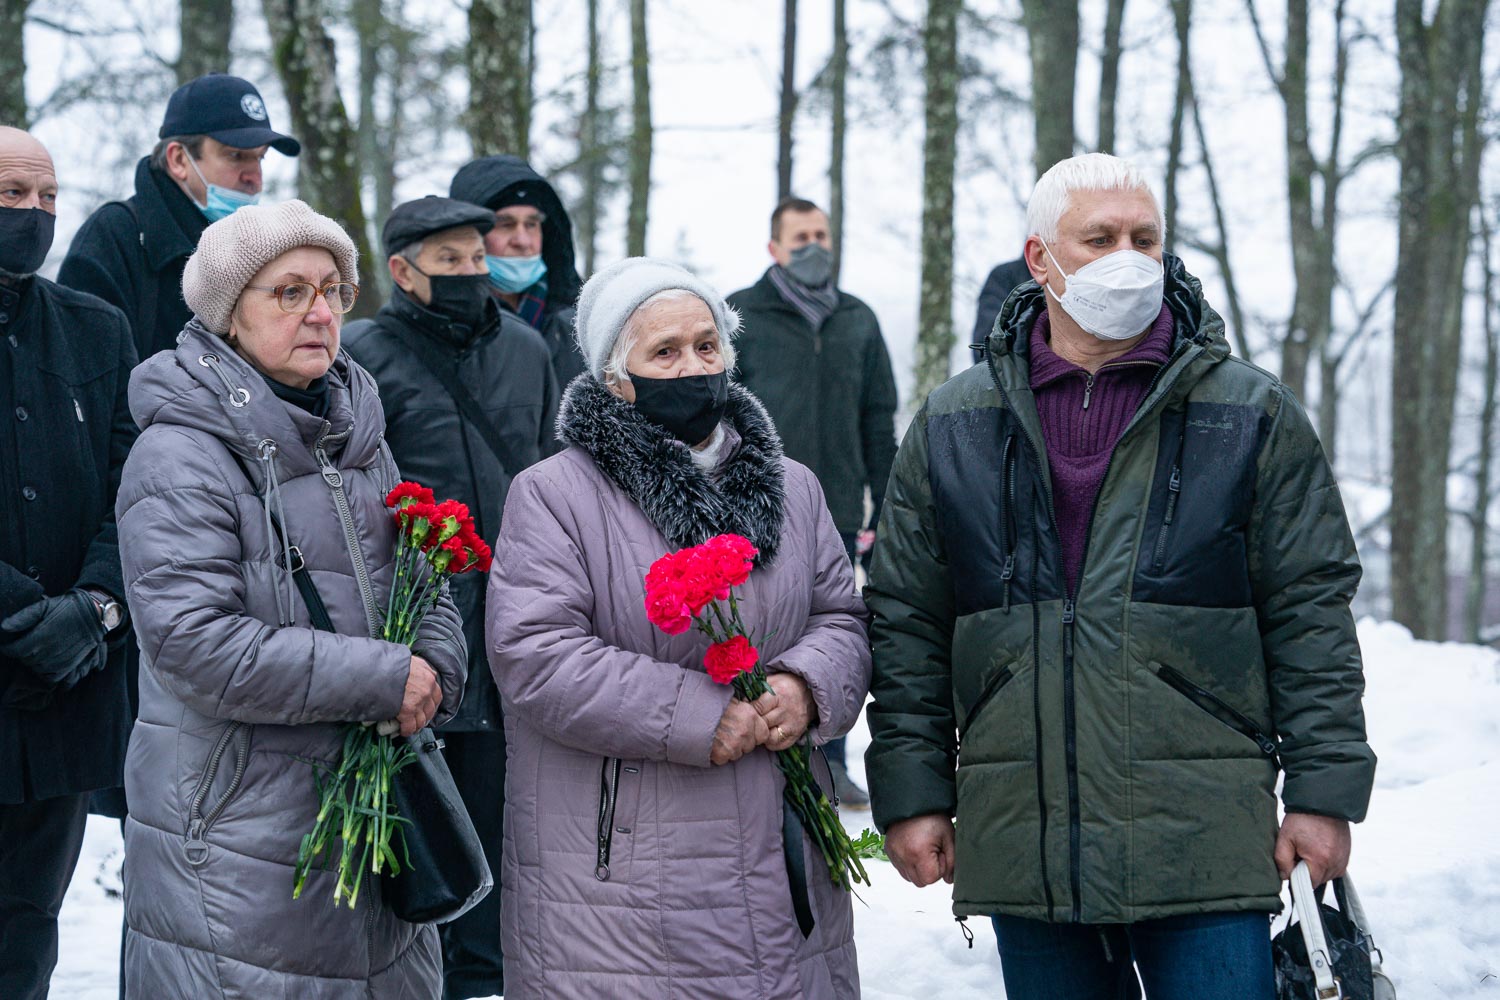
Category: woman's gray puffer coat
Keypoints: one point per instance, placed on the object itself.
(633, 867)
(239, 693)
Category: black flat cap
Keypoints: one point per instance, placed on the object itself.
(224, 108)
(417, 220)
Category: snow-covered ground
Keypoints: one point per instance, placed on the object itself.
(1426, 861)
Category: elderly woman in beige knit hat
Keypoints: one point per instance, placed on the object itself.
(262, 451)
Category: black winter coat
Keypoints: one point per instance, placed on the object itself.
(506, 369)
(131, 254)
(829, 391)
(65, 362)
(1003, 279)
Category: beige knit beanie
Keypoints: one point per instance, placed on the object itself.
(234, 249)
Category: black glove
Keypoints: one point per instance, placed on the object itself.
(60, 639)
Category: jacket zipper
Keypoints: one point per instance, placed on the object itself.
(1075, 828)
(609, 787)
(335, 481)
(1174, 490)
(1008, 498)
(195, 847)
(1002, 677)
(1089, 377)
(1221, 711)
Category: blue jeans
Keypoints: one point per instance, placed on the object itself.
(1209, 956)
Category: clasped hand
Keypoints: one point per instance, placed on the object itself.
(776, 721)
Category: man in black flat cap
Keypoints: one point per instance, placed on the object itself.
(469, 400)
(207, 164)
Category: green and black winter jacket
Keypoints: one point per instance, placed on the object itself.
(1111, 755)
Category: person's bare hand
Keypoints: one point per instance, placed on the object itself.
(741, 729)
(422, 697)
(792, 712)
(1322, 841)
(921, 848)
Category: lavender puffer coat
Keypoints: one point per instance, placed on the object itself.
(239, 693)
(633, 867)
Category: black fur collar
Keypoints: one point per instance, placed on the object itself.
(745, 496)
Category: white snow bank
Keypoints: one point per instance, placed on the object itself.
(1426, 861)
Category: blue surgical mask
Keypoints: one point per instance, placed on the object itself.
(222, 202)
(515, 274)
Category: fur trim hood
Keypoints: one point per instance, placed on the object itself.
(746, 495)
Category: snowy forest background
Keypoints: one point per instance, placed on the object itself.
(1325, 166)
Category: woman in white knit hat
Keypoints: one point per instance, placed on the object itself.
(261, 450)
(647, 853)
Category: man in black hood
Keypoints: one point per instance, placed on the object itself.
(469, 401)
(529, 251)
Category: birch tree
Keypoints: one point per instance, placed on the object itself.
(935, 311)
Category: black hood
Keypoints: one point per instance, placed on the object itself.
(484, 180)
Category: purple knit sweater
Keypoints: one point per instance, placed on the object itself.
(1083, 418)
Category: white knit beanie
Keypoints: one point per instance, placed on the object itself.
(611, 295)
(234, 249)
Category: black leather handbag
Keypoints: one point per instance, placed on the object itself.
(1325, 953)
(443, 871)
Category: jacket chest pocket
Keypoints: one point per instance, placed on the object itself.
(615, 833)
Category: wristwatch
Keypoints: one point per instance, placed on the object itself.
(111, 611)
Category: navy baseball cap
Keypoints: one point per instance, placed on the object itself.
(226, 109)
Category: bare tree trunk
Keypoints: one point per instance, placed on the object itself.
(591, 154)
(1221, 251)
(499, 56)
(1438, 148)
(13, 58)
(1052, 29)
(377, 158)
(1109, 74)
(1479, 517)
(935, 312)
(204, 26)
(839, 85)
(640, 131)
(788, 111)
(1182, 12)
(328, 176)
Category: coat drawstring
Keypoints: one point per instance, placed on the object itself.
(266, 452)
(238, 395)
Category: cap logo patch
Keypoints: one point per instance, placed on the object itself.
(253, 107)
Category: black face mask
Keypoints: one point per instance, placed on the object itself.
(461, 298)
(25, 238)
(689, 408)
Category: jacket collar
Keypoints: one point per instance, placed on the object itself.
(745, 495)
(440, 328)
(170, 224)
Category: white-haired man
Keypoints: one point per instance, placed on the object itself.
(1111, 597)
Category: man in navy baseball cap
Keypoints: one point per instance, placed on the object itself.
(206, 164)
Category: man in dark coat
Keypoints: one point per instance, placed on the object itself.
(1002, 280)
(529, 252)
(1111, 602)
(815, 357)
(207, 163)
(469, 401)
(65, 363)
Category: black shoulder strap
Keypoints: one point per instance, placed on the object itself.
(316, 609)
(445, 371)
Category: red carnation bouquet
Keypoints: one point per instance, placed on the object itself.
(434, 541)
(694, 587)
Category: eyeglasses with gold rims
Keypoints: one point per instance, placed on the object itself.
(299, 296)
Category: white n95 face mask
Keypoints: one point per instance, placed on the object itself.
(1115, 297)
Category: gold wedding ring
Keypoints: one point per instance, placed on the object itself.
(780, 733)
